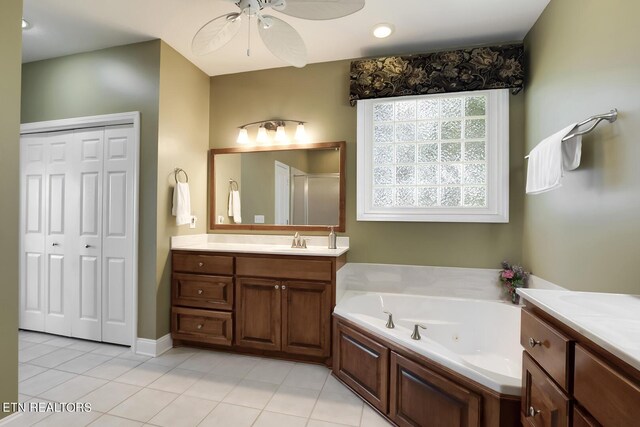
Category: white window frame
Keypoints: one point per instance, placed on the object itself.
(497, 154)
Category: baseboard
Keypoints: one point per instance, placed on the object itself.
(9, 419)
(153, 348)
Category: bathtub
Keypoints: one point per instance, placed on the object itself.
(479, 339)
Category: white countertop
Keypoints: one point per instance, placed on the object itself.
(258, 244)
(610, 320)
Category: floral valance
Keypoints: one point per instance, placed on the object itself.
(479, 68)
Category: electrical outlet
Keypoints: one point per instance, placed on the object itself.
(194, 219)
(258, 219)
(220, 219)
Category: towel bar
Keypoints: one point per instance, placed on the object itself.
(177, 171)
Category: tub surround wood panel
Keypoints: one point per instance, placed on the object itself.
(600, 389)
(272, 305)
(415, 384)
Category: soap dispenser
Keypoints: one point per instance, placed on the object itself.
(332, 239)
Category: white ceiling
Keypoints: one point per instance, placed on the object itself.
(63, 27)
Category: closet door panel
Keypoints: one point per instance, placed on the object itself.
(118, 239)
(32, 251)
(88, 169)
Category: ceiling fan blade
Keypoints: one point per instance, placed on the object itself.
(216, 33)
(319, 10)
(283, 40)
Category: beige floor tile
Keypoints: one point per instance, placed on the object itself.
(37, 337)
(176, 381)
(132, 356)
(110, 395)
(83, 345)
(332, 385)
(143, 405)
(213, 387)
(338, 408)
(254, 394)
(57, 357)
(61, 341)
(73, 389)
(371, 418)
(25, 344)
(69, 419)
(236, 366)
(271, 419)
(110, 349)
(185, 411)
(204, 361)
(112, 369)
(225, 415)
(318, 423)
(34, 352)
(26, 371)
(270, 371)
(83, 363)
(293, 401)
(143, 374)
(111, 421)
(174, 357)
(40, 383)
(307, 376)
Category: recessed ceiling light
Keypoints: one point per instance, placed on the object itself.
(382, 31)
(25, 24)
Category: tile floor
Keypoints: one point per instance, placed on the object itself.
(183, 387)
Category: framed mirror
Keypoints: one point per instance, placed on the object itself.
(297, 187)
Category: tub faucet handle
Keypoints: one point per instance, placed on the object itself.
(390, 324)
(416, 331)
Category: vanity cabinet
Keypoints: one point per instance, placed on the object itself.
(276, 305)
(570, 381)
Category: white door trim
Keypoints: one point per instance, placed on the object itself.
(132, 118)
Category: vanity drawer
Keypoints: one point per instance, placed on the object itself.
(213, 327)
(610, 398)
(544, 404)
(280, 268)
(202, 264)
(196, 290)
(580, 419)
(549, 347)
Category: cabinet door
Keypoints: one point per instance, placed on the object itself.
(306, 318)
(258, 320)
(421, 397)
(543, 404)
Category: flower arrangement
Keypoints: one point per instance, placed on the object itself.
(512, 277)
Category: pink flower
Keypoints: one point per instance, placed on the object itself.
(507, 274)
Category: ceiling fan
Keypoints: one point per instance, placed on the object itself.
(279, 37)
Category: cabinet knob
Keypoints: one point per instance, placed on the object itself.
(533, 411)
(199, 326)
(87, 246)
(201, 264)
(54, 244)
(199, 291)
(277, 287)
(533, 342)
(284, 287)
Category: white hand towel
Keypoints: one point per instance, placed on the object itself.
(549, 159)
(181, 203)
(234, 206)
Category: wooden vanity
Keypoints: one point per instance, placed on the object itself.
(569, 380)
(275, 305)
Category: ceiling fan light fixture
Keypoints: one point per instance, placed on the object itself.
(383, 30)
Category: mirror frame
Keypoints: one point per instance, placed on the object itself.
(340, 145)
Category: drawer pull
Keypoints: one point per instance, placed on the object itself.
(277, 287)
(533, 411)
(534, 342)
(199, 326)
(199, 291)
(201, 264)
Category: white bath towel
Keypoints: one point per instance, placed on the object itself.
(181, 203)
(550, 158)
(234, 206)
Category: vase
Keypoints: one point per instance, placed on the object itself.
(515, 298)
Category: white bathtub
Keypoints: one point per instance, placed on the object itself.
(479, 339)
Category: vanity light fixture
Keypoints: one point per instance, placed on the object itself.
(383, 30)
(278, 126)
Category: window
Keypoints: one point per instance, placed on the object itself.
(441, 158)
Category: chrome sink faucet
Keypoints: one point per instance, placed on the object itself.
(416, 331)
(390, 324)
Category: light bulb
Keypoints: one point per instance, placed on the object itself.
(243, 136)
(281, 135)
(25, 24)
(262, 137)
(301, 134)
(382, 31)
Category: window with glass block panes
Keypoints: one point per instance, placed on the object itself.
(434, 158)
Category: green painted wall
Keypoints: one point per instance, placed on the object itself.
(10, 52)
(183, 141)
(318, 94)
(582, 61)
(125, 78)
